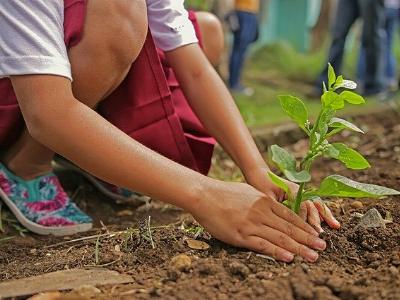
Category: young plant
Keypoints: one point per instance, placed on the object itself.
(335, 96)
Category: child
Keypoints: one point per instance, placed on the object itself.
(112, 60)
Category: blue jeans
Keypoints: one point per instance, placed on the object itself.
(242, 38)
(390, 64)
(372, 13)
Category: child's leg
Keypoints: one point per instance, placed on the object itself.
(114, 34)
(212, 36)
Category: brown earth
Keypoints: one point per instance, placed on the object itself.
(358, 264)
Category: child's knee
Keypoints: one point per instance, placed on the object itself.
(213, 36)
(129, 22)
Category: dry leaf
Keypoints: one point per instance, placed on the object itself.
(125, 213)
(197, 245)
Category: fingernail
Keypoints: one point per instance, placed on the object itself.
(318, 229)
(287, 257)
(312, 256)
(319, 244)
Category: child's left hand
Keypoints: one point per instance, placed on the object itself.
(313, 212)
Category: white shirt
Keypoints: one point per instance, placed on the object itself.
(32, 34)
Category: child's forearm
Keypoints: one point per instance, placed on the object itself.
(77, 132)
(212, 102)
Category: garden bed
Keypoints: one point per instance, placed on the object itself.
(358, 263)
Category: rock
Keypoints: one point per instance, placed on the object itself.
(239, 269)
(356, 204)
(264, 275)
(372, 219)
(181, 263)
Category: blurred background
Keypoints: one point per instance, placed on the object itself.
(292, 46)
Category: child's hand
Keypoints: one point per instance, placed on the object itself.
(240, 215)
(313, 212)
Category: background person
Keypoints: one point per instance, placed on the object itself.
(372, 13)
(245, 32)
(392, 15)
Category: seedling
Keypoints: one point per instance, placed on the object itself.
(334, 98)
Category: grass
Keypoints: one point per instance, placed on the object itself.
(279, 69)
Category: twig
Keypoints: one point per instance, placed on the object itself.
(103, 235)
(96, 251)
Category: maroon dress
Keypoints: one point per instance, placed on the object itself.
(149, 105)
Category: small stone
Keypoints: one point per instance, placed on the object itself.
(264, 275)
(372, 219)
(238, 268)
(356, 204)
(87, 291)
(33, 251)
(181, 263)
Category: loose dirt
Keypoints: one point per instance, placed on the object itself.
(358, 264)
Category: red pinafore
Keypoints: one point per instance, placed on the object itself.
(149, 105)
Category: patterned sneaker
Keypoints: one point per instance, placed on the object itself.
(120, 195)
(42, 205)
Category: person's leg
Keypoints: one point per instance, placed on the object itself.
(114, 34)
(347, 14)
(243, 39)
(373, 15)
(212, 36)
(390, 60)
(234, 61)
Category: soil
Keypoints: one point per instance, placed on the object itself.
(358, 263)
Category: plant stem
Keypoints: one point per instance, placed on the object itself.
(299, 195)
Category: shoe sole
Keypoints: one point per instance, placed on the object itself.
(40, 229)
(134, 201)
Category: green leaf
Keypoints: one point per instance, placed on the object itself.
(299, 177)
(351, 158)
(283, 159)
(340, 124)
(352, 98)
(346, 84)
(332, 151)
(332, 100)
(325, 119)
(279, 182)
(295, 109)
(339, 82)
(331, 76)
(339, 186)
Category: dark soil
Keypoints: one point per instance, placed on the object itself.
(358, 264)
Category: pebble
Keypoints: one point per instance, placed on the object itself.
(356, 204)
(372, 219)
(181, 263)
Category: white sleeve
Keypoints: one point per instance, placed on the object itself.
(32, 38)
(169, 24)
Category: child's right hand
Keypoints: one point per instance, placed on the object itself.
(240, 215)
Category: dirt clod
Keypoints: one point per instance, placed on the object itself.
(238, 269)
(357, 204)
(181, 263)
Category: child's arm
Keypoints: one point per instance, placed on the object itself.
(215, 107)
(235, 213)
